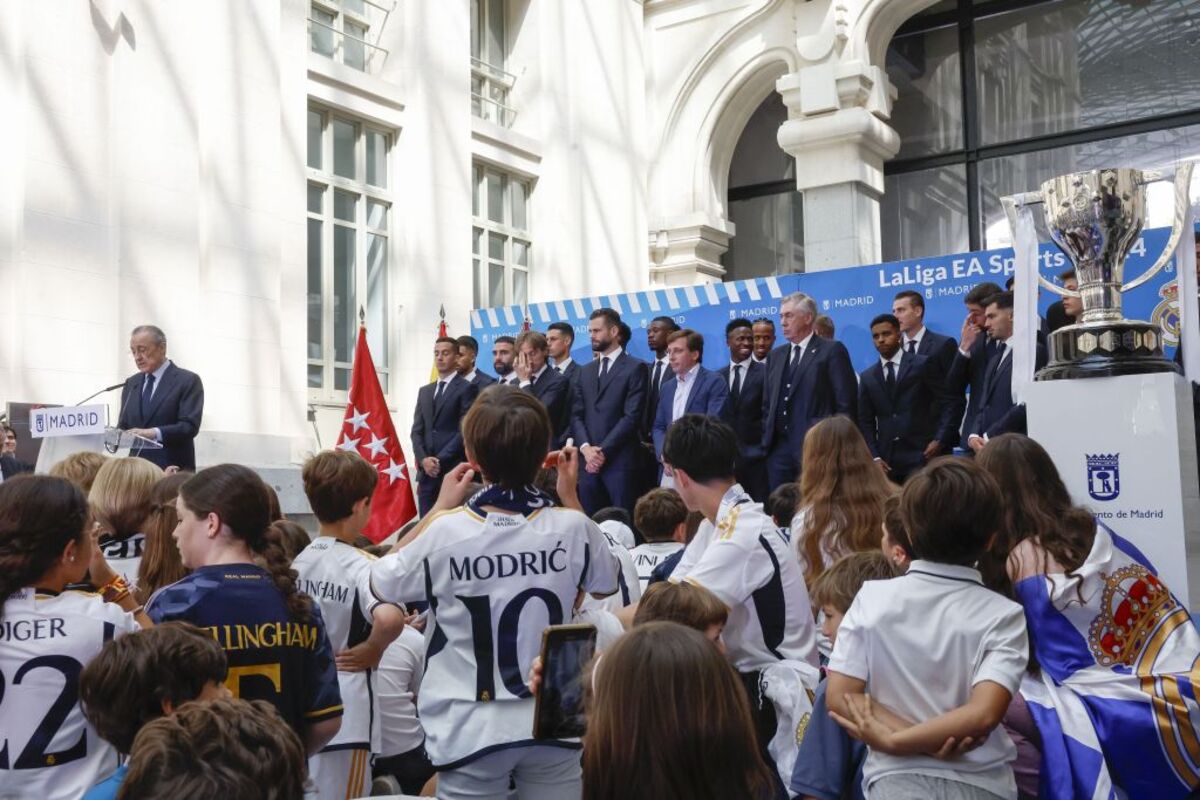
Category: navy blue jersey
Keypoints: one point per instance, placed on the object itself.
(289, 664)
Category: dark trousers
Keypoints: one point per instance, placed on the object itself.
(783, 464)
(427, 491)
(612, 486)
(762, 712)
(412, 769)
(752, 475)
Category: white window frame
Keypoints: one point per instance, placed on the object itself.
(483, 226)
(372, 55)
(325, 177)
(490, 81)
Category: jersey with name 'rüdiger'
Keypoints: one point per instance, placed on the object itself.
(493, 585)
(47, 748)
(271, 657)
(337, 576)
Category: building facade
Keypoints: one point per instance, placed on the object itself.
(256, 177)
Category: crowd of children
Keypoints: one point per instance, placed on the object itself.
(991, 639)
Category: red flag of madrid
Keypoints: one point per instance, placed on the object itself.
(368, 431)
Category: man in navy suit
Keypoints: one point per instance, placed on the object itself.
(808, 379)
(606, 411)
(536, 376)
(997, 412)
(436, 436)
(468, 353)
(560, 337)
(691, 389)
(909, 309)
(161, 401)
(966, 371)
(504, 356)
(746, 378)
(899, 402)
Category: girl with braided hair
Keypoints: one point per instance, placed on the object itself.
(47, 634)
(242, 591)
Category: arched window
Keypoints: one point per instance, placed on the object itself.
(763, 202)
(996, 96)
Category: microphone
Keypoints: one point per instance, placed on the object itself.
(102, 391)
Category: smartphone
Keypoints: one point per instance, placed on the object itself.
(566, 650)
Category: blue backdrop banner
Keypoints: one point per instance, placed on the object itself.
(852, 297)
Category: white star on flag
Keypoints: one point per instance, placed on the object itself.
(376, 445)
(349, 445)
(357, 420)
(395, 472)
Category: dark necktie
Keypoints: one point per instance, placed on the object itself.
(1001, 348)
(603, 367)
(656, 380)
(147, 393)
(736, 392)
(890, 379)
(912, 345)
(437, 393)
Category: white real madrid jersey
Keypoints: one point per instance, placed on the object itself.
(124, 555)
(649, 555)
(629, 588)
(746, 563)
(337, 576)
(47, 749)
(493, 585)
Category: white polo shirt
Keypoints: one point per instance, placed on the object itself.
(746, 563)
(921, 642)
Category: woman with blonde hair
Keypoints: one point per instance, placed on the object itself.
(842, 492)
(79, 468)
(161, 564)
(121, 505)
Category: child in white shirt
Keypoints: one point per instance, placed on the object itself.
(925, 664)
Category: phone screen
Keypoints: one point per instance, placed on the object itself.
(566, 650)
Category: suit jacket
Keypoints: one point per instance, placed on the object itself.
(607, 413)
(961, 409)
(997, 412)
(435, 430)
(571, 371)
(898, 425)
(825, 386)
(554, 391)
(709, 395)
(482, 379)
(942, 350)
(653, 395)
(10, 467)
(745, 415)
(175, 409)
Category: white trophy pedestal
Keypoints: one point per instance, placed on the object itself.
(1150, 495)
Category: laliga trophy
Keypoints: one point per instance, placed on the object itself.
(1095, 217)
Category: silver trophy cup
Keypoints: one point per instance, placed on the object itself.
(1095, 218)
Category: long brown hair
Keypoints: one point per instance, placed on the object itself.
(240, 499)
(1036, 506)
(39, 516)
(669, 718)
(161, 565)
(842, 490)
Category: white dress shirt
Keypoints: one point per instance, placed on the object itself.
(916, 337)
(535, 376)
(745, 367)
(561, 366)
(683, 388)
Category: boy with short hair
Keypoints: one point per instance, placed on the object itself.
(143, 676)
(227, 748)
(661, 516)
(829, 763)
(687, 604)
(895, 544)
(336, 575)
(936, 647)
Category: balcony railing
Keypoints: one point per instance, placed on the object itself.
(346, 48)
(490, 86)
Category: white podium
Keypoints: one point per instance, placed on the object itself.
(1126, 448)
